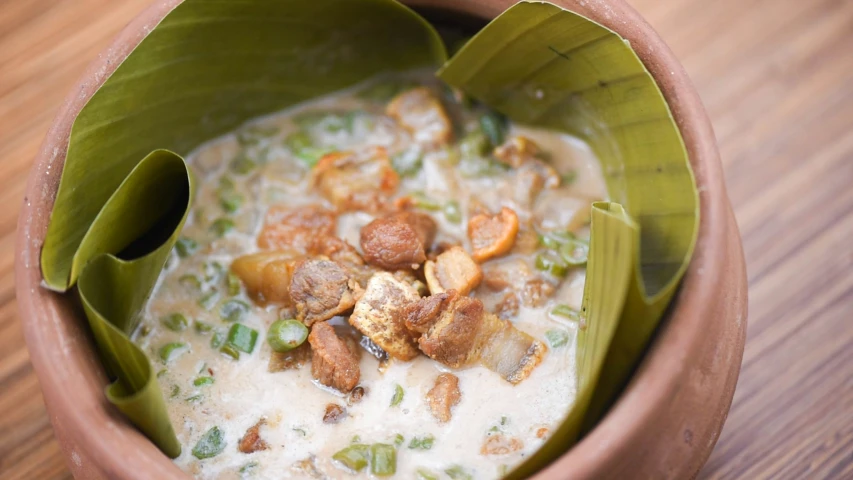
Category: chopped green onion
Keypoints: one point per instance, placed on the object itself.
(452, 212)
(355, 439)
(201, 381)
(425, 202)
(176, 390)
(185, 246)
(557, 338)
(383, 459)
(456, 472)
(574, 252)
(208, 300)
(232, 282)
(285, 335)
(407, 162)
(202, 327)
(494, 126)
(242, 165)
(213, 270)
(231, 351)
(421, 443)
(171, 351)
(354, 457)
(210, 444)
(194, 398)
(552, 263)
(398, 395)
(242, 338)
(233, 310)
(399, 439)
(217, 340)
(175, 322)
(249, 468)
(222, 226)
(555, 240)
(190, 281)
(566, 311)
(424, 474)
(230, 201)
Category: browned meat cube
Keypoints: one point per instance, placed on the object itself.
(321, 289)
(492, 235)
(452, 270)
(296, 227)
(334, 413)
(443, 396)
(420, 112)
(378, 314)
(252, 441)
(398, 241)
(266, 275)
(500, 444)
(334, 362)
(457, 331)
(361, 180)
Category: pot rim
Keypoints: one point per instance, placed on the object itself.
(656, 381)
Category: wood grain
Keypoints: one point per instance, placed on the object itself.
(777, 79)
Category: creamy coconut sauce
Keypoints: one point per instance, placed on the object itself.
(252, 169)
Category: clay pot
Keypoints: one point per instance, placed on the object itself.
(665, 424)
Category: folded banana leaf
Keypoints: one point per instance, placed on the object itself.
(542, 65)
(210, 66)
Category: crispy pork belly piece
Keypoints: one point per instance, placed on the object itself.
(500, 444)
(492, 235)
(453, 269)
(321, 289)
(398, 241)
(334, 413)
(295, 227)
(344, 254)
(458, 332)
(420, 111)
(378, 314)
(334, 362)
(443, 396)
(292, 360)
(267, 275)
(356, 180)
(252, 441)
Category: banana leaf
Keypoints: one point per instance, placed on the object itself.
(543, 65)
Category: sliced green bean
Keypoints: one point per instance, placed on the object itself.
(176, 390)
(399, 393)
(234, 310)
(230, 350)
(190, 281)
(209, 300)
(185, 246)
(566, 311)
(242, 165)
(421, 443)
(285, 335)
(552, 263)
(424, 474)
(575, 252)
(201, 381)
(456, 472)
(494, 126)
(424, 202)
(354, 457)
(383, 459)
(230, 201)
(221, 226)
(173, 350)
(399, 439)
(557, 338)
(242, 338)
(408, 162)
(175, 322)
(232, 283)
(217, 340)
(211, 444)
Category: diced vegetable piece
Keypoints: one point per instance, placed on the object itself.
(557, 338)
(574, 252)
(231, 351)
(421, 443)
(424, 474)
(201, 381)
(408, 162)
(452, 212)
(176, 390)
(567, 312)
(213, 271)
(456, 472)
(173, 350)
(209, 300)
(175, 322)
(242, 338)
(494, 126)
(354, 457)
(399, 439)
(552, 263)
(233, 310)
(217, 340)
(221, 226)
(190, 281)
(230, 201)
(554, 240)
(399, 393)
(232, 282)
(383, 459)
(474, 144)
(211, 444)
(421, 200)
(242, 165)
(285, 335)
(185, 247)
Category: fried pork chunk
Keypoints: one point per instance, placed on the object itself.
(296, 227)
(443, 396)
(334, 361)
(457, 331)
(492, 235)
(398, 241)
(378, 314)
(419, 111)
(358, 180)
(321, 289)
(452, 269)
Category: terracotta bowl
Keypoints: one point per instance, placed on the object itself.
(666, 422)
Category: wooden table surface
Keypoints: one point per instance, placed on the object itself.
(777, 79)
